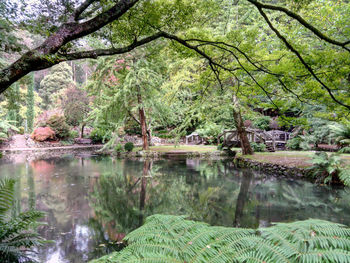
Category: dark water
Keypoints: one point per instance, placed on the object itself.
(92, 202)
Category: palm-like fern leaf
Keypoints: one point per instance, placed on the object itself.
(17, 235)
(6, 196)
(173, 239)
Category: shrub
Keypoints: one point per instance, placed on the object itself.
(5, 127)
(0, 155)
(262, 123)
(129, 146)
(219, 147)
(118, 148)
(325, 168)
(166, 238)
(67, 142)
(294, 143)
(344, 150)
(73, 134)
(21, 130)
(210, 131)
(258, 147)
(329, 168)
(58, 124)
(98, 135)
(341, 133)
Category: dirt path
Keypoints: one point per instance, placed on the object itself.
(17, 142)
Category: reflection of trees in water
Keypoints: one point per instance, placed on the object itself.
(242, 197)
(121, 200)
(297, 200)
(123, 192)
(31, 188)
(61, 192)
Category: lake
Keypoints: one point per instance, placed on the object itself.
(92, 202)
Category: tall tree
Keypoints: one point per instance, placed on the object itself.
(124, 89)
(60, 78)
(76, 106)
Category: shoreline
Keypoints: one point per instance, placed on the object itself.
(46, 149)
(272, 168)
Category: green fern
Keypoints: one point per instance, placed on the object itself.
(344, 176)
(17, 235)
(166, 238)
(344, 150)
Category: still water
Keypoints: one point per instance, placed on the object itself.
(92, 202)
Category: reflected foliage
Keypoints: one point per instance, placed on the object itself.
(92, 202)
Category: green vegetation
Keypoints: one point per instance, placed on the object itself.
(330, 168)
(157, 71)
(174, 239)
(99, 135)
(59, 126)
(118, 148)
(53, 84)
(183, 148)
(129, 146)
(258, 147)
(5, 127)
(17, 234)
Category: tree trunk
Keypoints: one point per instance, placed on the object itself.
(142, 121)
(82, 130)
(149, 136)
(242, 133)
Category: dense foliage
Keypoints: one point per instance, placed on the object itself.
(330, 168)
(173, 239)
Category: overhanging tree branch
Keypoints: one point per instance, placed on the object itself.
(302, 21)
(45, 55)
(301, 59)
(79, 10)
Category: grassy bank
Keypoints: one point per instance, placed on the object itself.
(300, 159)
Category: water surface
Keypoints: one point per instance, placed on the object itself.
(92, 202)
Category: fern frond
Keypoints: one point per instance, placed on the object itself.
(166, 238)
(6, 196)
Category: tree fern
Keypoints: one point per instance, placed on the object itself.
(329, 168)
(344, 176)
(17, 235)
(166, 238)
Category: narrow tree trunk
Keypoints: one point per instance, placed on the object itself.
(149, 136)
(242, 133)
(142, 121)
(82, 130)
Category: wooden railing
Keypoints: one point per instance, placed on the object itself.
(272, 138)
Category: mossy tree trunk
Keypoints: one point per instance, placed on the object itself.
(241, 131)
(143, 123)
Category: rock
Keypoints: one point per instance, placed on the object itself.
(42, 134)
(82, 141)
